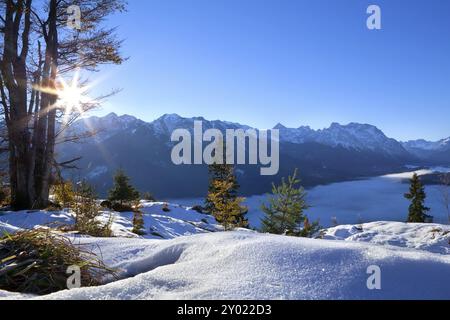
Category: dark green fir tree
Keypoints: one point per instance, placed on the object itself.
(122, 191)
(417, 209)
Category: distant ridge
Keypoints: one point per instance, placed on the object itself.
(337, 153)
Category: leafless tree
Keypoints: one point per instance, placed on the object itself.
(37, 49)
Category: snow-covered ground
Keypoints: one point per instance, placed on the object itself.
(427, 237)
(195, 263)
(247, 265)
(178, 221)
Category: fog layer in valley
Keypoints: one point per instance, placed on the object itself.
(366, 200)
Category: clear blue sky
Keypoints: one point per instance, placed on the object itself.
(261, 62)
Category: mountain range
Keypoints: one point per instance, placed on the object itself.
(143, 149)
(435, 152)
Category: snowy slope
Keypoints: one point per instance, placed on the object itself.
(179, 221)
(427, 237)
(245, 265)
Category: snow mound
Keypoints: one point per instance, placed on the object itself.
(429, 237)
(194, 262)
(246, 265)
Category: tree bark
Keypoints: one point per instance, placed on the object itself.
(47, 122)
(14, 74)
(31, 152)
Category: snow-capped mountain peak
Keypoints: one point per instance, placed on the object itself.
(104, 127)
(110, 120)
(167, 123)
(279, 126)
(425, 145)
(352, 136)
(168, 118)
(445, 142)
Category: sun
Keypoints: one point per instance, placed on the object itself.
(72, 97)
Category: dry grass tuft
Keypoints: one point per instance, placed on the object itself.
(36, 262)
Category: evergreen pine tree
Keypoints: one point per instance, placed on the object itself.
(227, 210)
(138, 223)
(417, 195)
(285, 211)
(222, 200)
(122, 191)
(87, 211)
(220, 172)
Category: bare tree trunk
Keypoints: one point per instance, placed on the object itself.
(47, 121)
(445, 189)
(14, 74)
